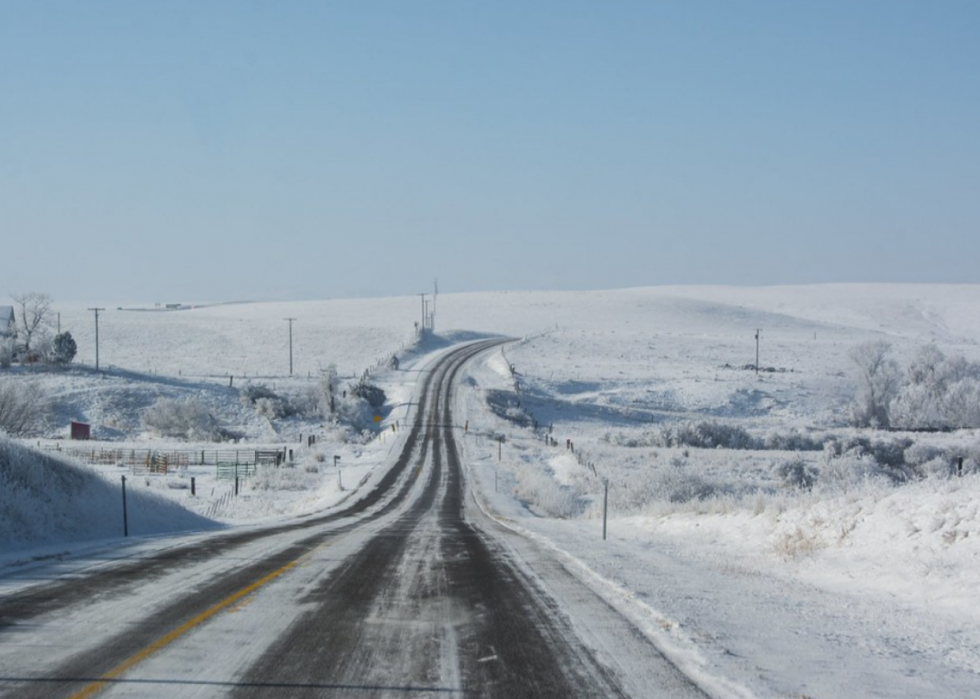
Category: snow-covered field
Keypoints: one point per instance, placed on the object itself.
(853, 585)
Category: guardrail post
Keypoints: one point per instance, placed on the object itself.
(193, 487)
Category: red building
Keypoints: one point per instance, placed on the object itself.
(80, 430)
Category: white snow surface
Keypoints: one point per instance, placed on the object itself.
(857, 587)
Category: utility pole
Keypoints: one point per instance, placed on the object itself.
(605, 505)
(423, 311)
(757, 333)
(290, 321)
(125, 514)
(435, 295)
(96, 335)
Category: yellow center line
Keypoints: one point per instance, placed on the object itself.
(165, 641)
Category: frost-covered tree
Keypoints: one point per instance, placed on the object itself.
(939, 392)
(63, 348)
(184, 419)
(24, 408)
(329, 385)
(32, 310)
(879, 378)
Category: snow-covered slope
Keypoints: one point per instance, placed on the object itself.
(46, 499)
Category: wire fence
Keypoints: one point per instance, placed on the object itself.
(227, 462)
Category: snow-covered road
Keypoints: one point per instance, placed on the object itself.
(410, 591)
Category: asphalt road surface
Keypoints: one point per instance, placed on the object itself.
(411, 591)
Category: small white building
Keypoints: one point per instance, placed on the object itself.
(8, 324)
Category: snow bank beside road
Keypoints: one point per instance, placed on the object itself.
(46, 499)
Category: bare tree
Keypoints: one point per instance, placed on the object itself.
(880, 380)
(33, 309)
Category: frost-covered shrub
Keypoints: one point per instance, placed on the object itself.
(970, 456)
(940, 467)
(515, 414)
(797, 474)
(371, 394)
(266, 402)
(24, 409)
(270, 407)
(255, 391)
(712, 435)
(6, 352)
(850, 471)
(928, 461)
(306, 401)
(274, 405)
(539, 490)
(355, 411)
(918, 454)
(680, 487)
(183, 419)
(354, 414)
(273, 478)
(632, 491)
(704, 435)
(507, 405)
(887, 452)
(336, 431)
(792, 441)
(628, 439)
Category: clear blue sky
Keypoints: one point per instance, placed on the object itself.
(182, 151)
